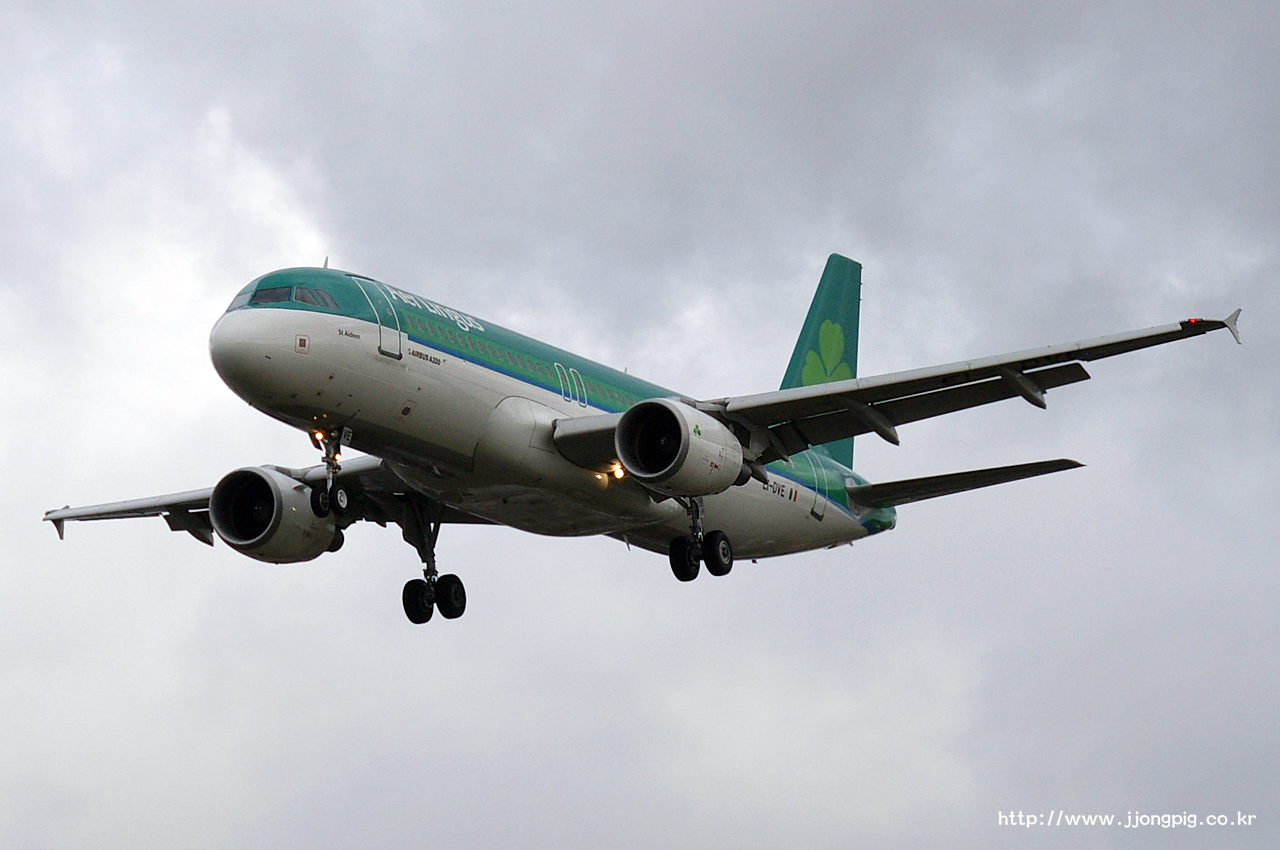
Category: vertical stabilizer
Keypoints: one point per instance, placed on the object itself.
(827, 349)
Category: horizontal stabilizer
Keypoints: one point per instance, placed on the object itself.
(916, 489)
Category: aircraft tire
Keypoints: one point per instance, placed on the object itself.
(685, 555)
(451, 596)
(417, 599)
(717, 551)
(338, 539)
(319, 502)
(338, 499)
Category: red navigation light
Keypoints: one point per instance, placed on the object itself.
(1192, 321)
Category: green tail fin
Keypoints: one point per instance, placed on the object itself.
(828, 346)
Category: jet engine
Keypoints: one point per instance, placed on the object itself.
(679, 450)
(267, 515)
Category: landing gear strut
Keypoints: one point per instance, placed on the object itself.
(333, 497)
(422, 596)
(713, 547)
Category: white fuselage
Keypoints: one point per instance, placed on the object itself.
(481, 440)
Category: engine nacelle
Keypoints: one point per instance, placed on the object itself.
(267, 515)
(677, 449)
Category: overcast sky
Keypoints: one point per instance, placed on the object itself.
(656, 187)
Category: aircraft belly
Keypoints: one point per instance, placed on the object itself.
(547, 512)
(764, 520)
(760, 523)
(565, 512)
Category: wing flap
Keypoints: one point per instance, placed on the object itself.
(903, 492)
(939, 402)
(843, 417)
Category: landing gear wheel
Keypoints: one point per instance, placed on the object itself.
(718, 553)
(338, 499)
(685, 553)
(319, 502)
(418, 601)
(451, 597)
(338, 539)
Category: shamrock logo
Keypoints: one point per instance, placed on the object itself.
(697, 429)
(829, 365)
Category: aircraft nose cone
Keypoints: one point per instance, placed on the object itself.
(239, 353)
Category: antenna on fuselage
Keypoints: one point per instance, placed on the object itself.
(326, 262)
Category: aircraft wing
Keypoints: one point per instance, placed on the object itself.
(187, 511)
(367, 478)
(788, 421)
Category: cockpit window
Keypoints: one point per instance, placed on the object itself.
(315, 297)
(274, 295)
(239, 301)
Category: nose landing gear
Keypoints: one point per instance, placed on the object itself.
(334, 496)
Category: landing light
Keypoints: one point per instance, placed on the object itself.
(319, 435)
(618, 472)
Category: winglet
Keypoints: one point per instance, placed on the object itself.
(1230, 322)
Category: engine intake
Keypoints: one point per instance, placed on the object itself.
(677, 449)
(267, 515)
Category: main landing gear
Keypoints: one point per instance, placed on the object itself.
(713, 547)
(424, 596)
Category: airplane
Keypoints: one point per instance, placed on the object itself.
(462, 421)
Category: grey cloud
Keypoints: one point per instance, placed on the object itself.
(657, 188)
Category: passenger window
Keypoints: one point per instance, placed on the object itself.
(274, 295)
(301, 293)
